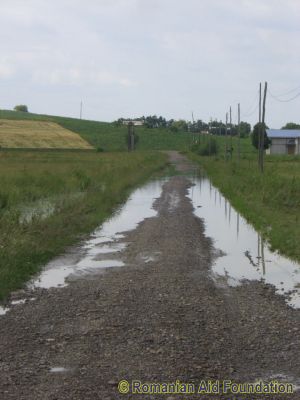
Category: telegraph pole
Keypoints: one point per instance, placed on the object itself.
(259, 126)
(81, 109)
(262, 139)
(226, 139)
(230, 133)
(239, 132)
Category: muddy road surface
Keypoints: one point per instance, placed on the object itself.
(159, 318)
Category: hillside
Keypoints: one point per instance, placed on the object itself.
(39, 134)
(109, 136)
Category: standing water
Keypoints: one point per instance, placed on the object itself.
(98, 252)
(246, 255)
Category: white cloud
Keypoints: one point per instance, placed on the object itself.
(155, 56)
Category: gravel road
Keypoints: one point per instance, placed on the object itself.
(161, 318)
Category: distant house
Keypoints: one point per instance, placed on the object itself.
(135, 123)
(284, 141)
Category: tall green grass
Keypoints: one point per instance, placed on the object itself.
(270, 201)
(83, 188)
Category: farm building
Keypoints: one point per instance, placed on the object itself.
(283, 141)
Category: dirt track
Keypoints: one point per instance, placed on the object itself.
(152, 321)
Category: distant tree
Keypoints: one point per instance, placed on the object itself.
(180, 125)
(245, 129)
(152, 121)
(21, 107)
(255, 135)
(291, 125)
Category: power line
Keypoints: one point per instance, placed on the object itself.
(288, 92)
(252, 112)
(249, 111)
(282, 100)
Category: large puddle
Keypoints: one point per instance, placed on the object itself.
(101, 250)
(246, 255)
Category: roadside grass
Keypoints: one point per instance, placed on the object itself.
(109, 136)
(82, 188)
(269, 201)
(204, 142)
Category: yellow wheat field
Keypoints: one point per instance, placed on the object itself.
(36, 134)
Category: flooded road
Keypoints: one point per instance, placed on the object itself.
(173, 286)
(244, 253)
(96, 253)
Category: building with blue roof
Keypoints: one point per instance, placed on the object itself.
(284, 141)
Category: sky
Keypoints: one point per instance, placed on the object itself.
(128, 58)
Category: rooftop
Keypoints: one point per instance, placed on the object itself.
(283, 133)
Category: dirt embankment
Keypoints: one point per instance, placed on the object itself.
(159, 318)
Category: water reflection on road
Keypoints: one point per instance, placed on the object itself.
(247, 255)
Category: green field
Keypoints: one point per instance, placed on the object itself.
(48, 200)
(270, 201)
(109, 136)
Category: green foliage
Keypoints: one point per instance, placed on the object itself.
(179, 125)
(291, 125)
(208, 148)
(255, 135)
(21, 108)
(83, 189)
(245, 129)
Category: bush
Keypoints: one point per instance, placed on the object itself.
(209, 148)
(21, 107)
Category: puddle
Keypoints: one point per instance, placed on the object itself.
(58, 370)
(15, 302)
(89, 258)
(45, 207)
(174, 201)
(247, 255)
(3, 310)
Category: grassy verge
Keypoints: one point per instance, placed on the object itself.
(108, 136)
(270, 201)
(70, 194)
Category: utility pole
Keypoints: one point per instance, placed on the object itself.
(259, 126)
(226, 138)
(239, 132)
(81, 109)
(130, 136)
(230, 133)
(193, 131)
(262, 139)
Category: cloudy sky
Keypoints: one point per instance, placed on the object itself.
(139, 57)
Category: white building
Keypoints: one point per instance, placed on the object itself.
(283, 141)
(135, 123)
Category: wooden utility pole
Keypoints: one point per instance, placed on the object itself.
(262, 137)
(259, 126)
(130, 137)
(81, 109)
(239, 132)
(230, 133)
(226, 138)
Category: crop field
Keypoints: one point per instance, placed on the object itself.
(109, 136)
(39, 134)
(49, 199)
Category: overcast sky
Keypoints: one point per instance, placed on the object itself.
(139, 57)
